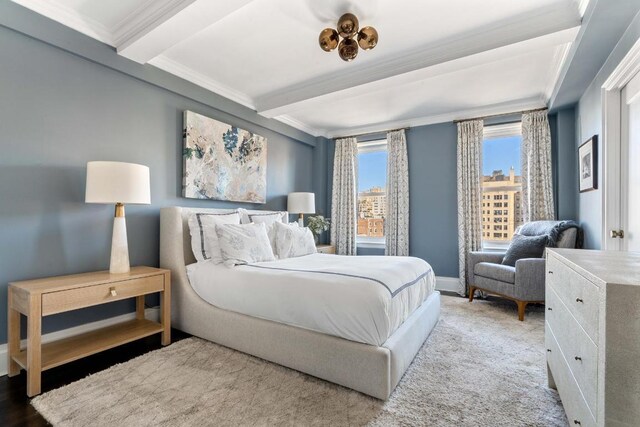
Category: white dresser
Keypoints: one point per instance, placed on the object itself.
(592, 335)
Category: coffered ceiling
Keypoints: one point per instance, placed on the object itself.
(437, 60)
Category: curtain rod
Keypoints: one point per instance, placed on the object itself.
(501, 115)
(370, 133)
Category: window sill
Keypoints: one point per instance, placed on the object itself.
(370, 244)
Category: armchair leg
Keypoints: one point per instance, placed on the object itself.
(472, 291)
(521, 307)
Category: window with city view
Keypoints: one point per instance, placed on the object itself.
(501, 184)
(372, 184)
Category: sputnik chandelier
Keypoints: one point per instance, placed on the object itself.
(348, 29)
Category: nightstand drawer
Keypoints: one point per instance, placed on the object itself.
(71, 299)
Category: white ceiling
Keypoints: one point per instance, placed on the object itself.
(437, 60)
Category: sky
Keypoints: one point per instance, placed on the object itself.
(498, 153)
(372, 170)
(501, 153)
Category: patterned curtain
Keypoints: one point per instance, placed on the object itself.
(537, 181)
(396, 222)
(343, 199)
(469, 194)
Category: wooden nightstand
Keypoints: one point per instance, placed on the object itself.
(326, 249)
(42, 297)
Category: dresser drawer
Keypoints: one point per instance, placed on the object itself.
(71, 299)
(581, 354)
(579, 295)
(574, 404)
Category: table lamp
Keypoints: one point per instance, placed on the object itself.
(301, 203)
(118, 183)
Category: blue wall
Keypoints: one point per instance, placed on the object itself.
(59, 110)
(589, 123)
(565, 178)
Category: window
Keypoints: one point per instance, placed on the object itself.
(501, 181)
(372, 187)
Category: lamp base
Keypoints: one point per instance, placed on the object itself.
(119, 247)
(301, 220)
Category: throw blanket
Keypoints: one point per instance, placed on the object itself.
(553, 230)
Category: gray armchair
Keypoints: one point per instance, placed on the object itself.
(523, 283)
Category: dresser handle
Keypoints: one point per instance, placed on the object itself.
(550, 272)
(548, 350)
(549, 308)
(113, 292)
(578, 358)
(577, 422)
(579, 300)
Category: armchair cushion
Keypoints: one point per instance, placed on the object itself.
(524, 247)
(499, 272)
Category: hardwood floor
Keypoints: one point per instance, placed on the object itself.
(15, 409)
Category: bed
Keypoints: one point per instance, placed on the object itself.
(368, 349)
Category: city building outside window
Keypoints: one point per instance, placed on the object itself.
(372, 193)
(501, 184)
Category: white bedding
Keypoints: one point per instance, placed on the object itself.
(363, 298)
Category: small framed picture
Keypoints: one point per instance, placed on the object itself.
(588, 164)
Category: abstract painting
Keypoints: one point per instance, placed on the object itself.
(222, 162)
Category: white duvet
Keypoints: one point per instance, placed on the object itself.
(363, 298)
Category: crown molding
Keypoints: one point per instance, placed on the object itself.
(288, 120)
(557, 64)
(626, 69)
(201, 80)
(515, 30)
(70, 18)
(504, 108)
(151, 31)
(582, 6)
(149, 15)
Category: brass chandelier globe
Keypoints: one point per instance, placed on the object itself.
(347, 28)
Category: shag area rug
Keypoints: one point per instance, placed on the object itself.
(479, 367)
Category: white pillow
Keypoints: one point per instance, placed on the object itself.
(294, 241)
(204, 240)
(246, 217)
(244, 243)
(268, 220)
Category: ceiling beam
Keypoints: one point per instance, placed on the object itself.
(158, 25)
(541, 23)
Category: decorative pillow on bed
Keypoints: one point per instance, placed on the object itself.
(244, 243)
(293, 241)
(268, 220)
(204, 240)
(247, 217)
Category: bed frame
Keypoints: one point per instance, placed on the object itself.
(366, 368)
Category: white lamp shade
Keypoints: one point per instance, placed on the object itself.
(117, 182)
(304, 203)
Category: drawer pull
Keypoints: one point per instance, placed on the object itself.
(577, 422)
(113, 292)
(579, 300)
(550, 272)
(549, 308)
(548, 350)
(578, 358)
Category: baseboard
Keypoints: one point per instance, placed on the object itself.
(449, 284)
(150, 313)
